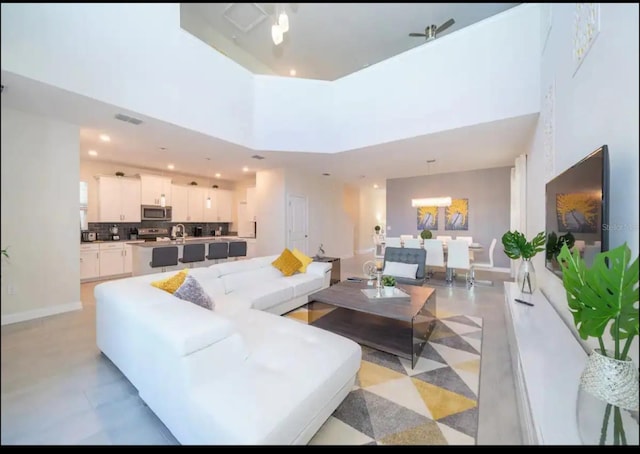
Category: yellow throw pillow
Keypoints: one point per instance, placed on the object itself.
(287, 263)
(304, 259)
(173, 283)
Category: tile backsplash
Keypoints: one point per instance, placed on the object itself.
(102, 228)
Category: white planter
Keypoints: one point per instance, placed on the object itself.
(389, 291)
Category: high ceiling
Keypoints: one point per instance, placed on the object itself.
(325, 41)
(382, 31)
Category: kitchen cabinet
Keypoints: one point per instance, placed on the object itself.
(221, 203)
(111, 259)
(152, 187)
(103, 260)
(128, 258)
(251, 204)
(89, 261)
(187, 203)
(118, 199)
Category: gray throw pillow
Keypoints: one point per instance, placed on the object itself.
(191, 291)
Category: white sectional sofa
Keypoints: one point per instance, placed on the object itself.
(234, 375)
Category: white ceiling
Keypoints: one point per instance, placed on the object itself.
(326, 40)
(481, 146)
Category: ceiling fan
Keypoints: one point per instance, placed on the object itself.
(432, 30)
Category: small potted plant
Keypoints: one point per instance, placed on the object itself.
(389, 283)
(516, 246)
(426, 234)
(603, 299)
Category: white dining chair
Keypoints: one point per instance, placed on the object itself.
(468, 239)
(579, 245)
(444, 238)
(484, 265)
(412, 243)
(392, 241)
(458, 259)
(435, 255)
(590, 252)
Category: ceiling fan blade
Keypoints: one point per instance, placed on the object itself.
(417, 34)
(444, 26)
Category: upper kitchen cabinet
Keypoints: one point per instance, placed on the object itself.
(187, 203)
(152, 189)
(251, 204)
(118, 199)
(221, 203)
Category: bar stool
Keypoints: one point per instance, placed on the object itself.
(237, 249)
(218, 250)
(161, 257)
(192, 253)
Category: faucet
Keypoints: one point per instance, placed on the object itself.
(183, 233)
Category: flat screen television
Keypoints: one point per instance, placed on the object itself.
(577, 209)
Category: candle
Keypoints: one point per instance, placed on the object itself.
(379, 265)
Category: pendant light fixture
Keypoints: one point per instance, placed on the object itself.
(431, 201)
(280, 25)
(163, 200)
(208, 203)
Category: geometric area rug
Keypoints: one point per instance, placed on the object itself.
(436, 403)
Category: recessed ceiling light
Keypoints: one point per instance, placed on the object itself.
(163, 148)
(429, 161)
(245, 169)
(93, 153)
(375, 186)
(257, 156)
(326, 174)
(293, 73)
(171, 166)
(218, 175)
(105, 138)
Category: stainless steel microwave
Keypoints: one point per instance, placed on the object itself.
(155, 213)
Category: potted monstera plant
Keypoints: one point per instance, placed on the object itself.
(516, 246)
(604, 298)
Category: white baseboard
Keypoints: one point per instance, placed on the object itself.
(39, 313)
(498, 269)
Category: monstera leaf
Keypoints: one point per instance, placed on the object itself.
(608, 291)
(516, 245)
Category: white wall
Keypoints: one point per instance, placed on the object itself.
(331, 208)
(135, 56)
(599, 105)
(239, 195)
(484, 72)
(270, 212)
(40, 216)
(294, 115)
(90, 168)
(373, 211)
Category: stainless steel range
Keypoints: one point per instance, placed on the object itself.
(152, 234)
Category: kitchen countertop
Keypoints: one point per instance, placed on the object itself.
(194, 240)
(110, 241)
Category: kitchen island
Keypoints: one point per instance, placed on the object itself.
(142, 253)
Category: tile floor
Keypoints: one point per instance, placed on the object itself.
(57, 388)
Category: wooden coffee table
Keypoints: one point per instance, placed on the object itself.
(400, 326)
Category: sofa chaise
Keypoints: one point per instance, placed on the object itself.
(236, 374)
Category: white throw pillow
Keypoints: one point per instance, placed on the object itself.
(398, 269)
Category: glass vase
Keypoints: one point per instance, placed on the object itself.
(607, 406)
(526, 278)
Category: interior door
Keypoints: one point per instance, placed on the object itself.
(297, 223)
